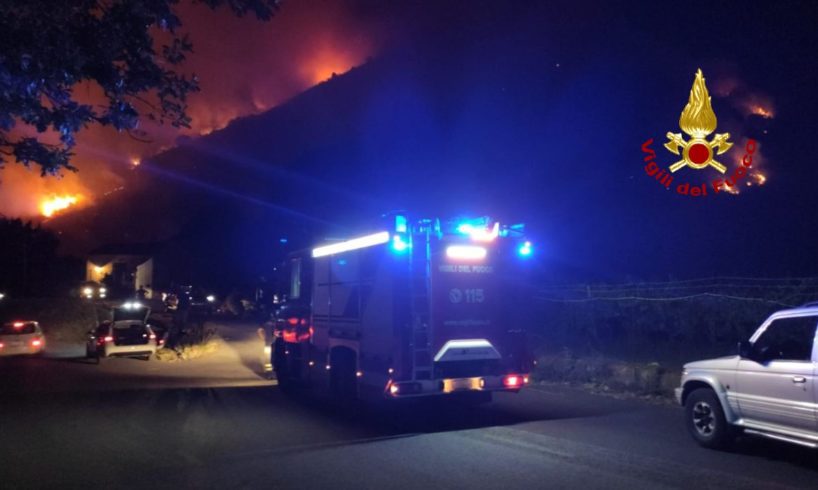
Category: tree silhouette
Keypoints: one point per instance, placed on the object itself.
(131, 50)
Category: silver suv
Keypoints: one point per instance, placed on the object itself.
(767, 390)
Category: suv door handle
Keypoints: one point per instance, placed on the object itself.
(799, 379)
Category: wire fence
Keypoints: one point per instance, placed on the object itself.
(679, 320)
(784, 292)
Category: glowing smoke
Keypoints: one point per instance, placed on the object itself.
(748, 103)
(245, 67)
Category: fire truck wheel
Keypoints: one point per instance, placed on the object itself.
(343, 382)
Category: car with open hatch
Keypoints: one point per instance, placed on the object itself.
(767, 389)
(127, 334)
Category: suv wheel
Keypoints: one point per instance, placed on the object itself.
(705, 420)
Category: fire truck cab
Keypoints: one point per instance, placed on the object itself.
(418, 308)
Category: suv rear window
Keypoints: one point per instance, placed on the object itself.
(10, 329)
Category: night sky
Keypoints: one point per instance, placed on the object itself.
(528, 112)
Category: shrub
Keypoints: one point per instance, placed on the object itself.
(60, 318)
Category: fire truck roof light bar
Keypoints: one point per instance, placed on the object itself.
(480, 233)
(354, 244)
(466, 252)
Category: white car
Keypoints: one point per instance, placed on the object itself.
(767, 390)
(20, 338)
(127, 334)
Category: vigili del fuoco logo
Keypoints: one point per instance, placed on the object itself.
(698, 152)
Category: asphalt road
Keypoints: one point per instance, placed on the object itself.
(217, 423)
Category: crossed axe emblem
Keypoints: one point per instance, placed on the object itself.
(698, 152)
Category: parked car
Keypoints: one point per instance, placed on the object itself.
(160, 329)
(767, 390)
(21, 338)
(127, 334)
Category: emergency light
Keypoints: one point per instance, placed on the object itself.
(354, 244)
(465, 252)
(399, 244)
(480, 233)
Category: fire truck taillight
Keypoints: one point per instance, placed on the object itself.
(404, 388)
(513, 381)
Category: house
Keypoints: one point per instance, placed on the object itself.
(123, 268)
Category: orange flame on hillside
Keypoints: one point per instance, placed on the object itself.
(760, 110)
(55, 204)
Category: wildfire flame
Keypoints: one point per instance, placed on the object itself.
(55, 204)
(698, 119)
(759, 110)
(756, 177)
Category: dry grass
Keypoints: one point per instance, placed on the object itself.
(608, 375)
(189, 351)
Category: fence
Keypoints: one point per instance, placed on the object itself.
(671, 321)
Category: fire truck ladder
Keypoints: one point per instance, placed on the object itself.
(420, 270)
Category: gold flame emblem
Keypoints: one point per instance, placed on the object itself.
(698, 120)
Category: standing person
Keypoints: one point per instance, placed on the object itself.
(180, 316)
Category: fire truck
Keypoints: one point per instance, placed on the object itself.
(417, 308)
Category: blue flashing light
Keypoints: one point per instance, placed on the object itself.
(525, 250)
(401, 225)
(282, 240)
(465, 228)
(481, 233)
(399, 244)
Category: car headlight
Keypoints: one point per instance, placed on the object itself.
(211, 298)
